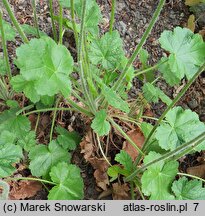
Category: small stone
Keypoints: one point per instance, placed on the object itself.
(123, 27)
(193, 103)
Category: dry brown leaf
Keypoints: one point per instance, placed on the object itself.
(105, 194)
(191, 23)
(192, 2)
(138, 138)
(45, 121)
(120, 192)
(197, 171)
(149, 113)
(100, 174)
(32, 118)
(24, 189)
(87, 146)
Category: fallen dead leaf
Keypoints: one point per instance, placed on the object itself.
(192, 2)
(120, 192)
(149, 113)
(191, 23)
(87, 146)
(105, 194)
(100, 174)
(138, 138)
(197, 171)
(32, 118)
(24, 189)
(45, 121)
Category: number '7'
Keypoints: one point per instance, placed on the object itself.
(196, 205)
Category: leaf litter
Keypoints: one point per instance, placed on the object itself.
(24, 189)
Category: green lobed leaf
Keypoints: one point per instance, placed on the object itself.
(143, 56)
(28, 87)
(9, 121)
(164, 98)
(187, 53)
(28, 141)
(153, 144)
(130, 73)
(124, 158)
(9, 154)
(182, 126)
(44, 69)
(188, 190)
(114, 99)
(152, 94)
(7, 137)
(157, 179)
(69, 182)
(107, 51)
(43, 158)
(92, 15)
(9, 32)
(30, 30)
(114, 171)
(12, 104)
(47, 101)
(5, 187)
(100, 125)
(170, 77)
(68, 140)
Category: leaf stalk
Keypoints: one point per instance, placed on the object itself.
(172, 155)
(52, 20)
(112, 18)
(176, 99)
(139, 46)
(14, 21)
(4, 45)
(35, 17)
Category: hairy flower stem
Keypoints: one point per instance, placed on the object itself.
(35, 17)
(176, 99)
(139, 72)
(37, 122)
(81, 61)
(48, 110)
(73, 22)
(76, 108)
(102, 152)
(29, 179)
(61, 25)
(154, 19)
(54, 118)
(14, 21)
(5, 51)
(3, 90)
(24, 109)
(170, 156)
(52, 20)
(191, 176)
(112, 17)
(79, 108)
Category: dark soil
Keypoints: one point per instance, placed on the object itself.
(132, 18)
